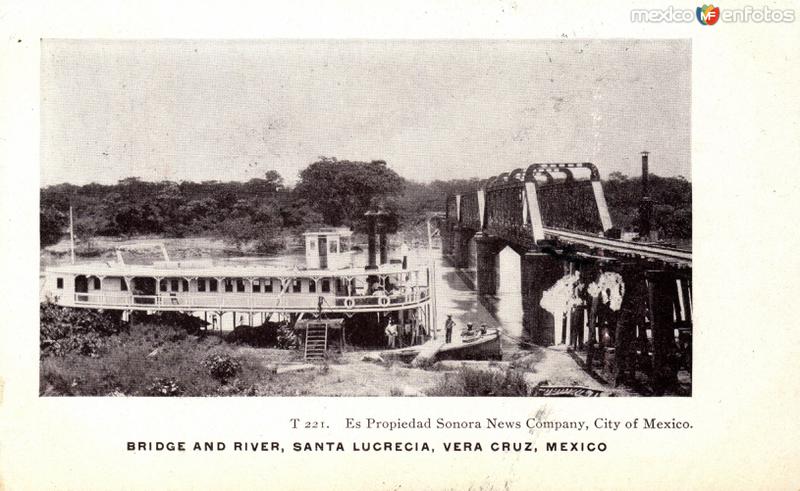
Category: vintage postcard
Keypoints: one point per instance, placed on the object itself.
(349, 261)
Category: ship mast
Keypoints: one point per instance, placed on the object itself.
(432, 279)
(71, 238)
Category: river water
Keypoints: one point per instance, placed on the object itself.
(455, 295)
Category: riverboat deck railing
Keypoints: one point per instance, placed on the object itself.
(255, 302)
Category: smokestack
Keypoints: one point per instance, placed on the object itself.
(646, 206)
(383, 244)
(371, 246)
(645, 175)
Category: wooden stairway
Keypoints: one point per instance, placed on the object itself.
(316, 341)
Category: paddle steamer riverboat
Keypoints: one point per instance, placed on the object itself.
(331, 283)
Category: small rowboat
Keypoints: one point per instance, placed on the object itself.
(473, 347)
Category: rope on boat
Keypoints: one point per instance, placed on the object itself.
(523, 342)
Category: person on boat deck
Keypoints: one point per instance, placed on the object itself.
(468, 331)
(391, 333)
(448, 328)
(483, 328)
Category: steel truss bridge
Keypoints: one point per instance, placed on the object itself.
(556, 217)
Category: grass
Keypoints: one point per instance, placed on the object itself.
(482, 383)
(133, 361)
(160, 357)
(152, 359)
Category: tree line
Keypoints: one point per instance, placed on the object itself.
(329, 192)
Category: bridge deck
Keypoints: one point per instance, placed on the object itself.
(667, 254)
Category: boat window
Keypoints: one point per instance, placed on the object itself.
(239, 286)
(344, 244)
(297, 286)
(326, 286)
(201, 285)
(312, 286)
(228, 285)
(212, 285)
(123, 285)
(59, 282)
(96, 283)
(173, 284)
(162, 285)
(185, 285)
(268, 285)
(333, 247)
(256, 286)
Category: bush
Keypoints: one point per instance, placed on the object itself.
(164, 387)
(64, 330)
(267, 335)
(222, 367)
(188, 323)
(287, 339)
(482, 383)
(269, 245)
(263, 336)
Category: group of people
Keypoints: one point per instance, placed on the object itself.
(409, 334)
(466, 333)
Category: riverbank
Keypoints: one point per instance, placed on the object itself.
(159, 360)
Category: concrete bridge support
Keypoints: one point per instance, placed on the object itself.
(461, 238)
(488, 248)
(539, 272)
(447, 239)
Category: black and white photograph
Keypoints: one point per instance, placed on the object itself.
(420, 245)
(366, 218)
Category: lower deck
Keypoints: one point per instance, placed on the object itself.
(247, 302)
(308, 291)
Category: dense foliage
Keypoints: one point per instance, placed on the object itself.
(267, 335)
(51, 224)
(341, 191)
(329, 192)
(672, 203)
(81, 331)
(89, 353)
(240, 212)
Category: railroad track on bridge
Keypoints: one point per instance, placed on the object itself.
(648, 251)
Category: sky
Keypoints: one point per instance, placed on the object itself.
(233, 110)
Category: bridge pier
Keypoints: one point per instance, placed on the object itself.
(539, 272)
(488, 248)
(461, 238)
(447, 239)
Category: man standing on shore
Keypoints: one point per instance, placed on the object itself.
(448, 328)
(391, 333)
